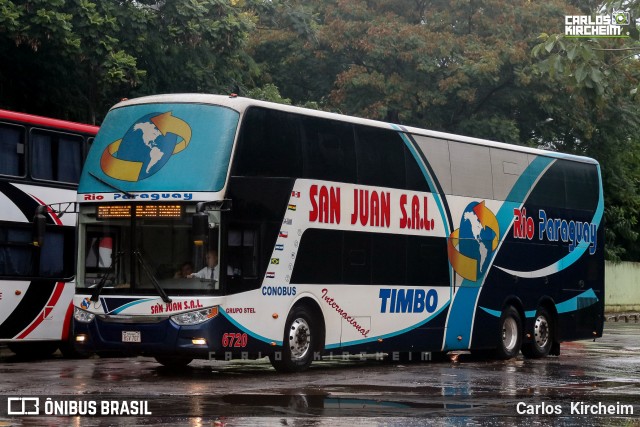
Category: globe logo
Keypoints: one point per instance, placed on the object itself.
(472, 245)
(146, 147)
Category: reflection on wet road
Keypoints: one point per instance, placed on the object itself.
(588, 376)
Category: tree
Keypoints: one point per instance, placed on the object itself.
(602, 75)
(461, 67)
(65, 57)
(79, 57)
(467, 68)
(284, 46)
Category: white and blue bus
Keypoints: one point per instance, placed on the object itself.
(40, 163)
(311, 232)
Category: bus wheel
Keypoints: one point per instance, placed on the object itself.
(300, 339)
(70, 352)
(542, 336)
(34, 349)
(173, 362)
(510, 338)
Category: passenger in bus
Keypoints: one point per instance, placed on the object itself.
(186, 269)
(211, 270)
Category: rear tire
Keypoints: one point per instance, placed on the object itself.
(299, 342)
(509, 334)
(543, 335)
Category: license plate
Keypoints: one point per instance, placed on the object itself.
(131, 336)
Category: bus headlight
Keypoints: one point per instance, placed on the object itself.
(83, 316)
(195, 317)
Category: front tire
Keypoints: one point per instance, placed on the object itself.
(510, 334)
(300, 340)
(542, 336)
(173, 362)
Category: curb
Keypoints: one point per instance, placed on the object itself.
(626, 317)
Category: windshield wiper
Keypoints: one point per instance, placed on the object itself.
(103, 279)
(108, 184)
(151, 277)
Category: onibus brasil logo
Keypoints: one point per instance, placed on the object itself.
(471, 246)
(146, 147)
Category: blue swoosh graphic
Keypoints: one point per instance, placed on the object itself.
(465, 300)
(562, 307)
(389, 335)
(131, 304)
(249, 332)
(432, 187)
(572, 256)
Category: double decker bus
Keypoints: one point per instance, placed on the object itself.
(310, 232)
(40, 163)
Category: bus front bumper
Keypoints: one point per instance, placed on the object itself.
(161, 338)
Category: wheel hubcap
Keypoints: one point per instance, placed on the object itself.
(541, 331)
(299, 339)
(509, 334)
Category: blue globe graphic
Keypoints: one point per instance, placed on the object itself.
(475, 240)
(144, 143)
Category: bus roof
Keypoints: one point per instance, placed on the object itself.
(240, 104)
(48, 122)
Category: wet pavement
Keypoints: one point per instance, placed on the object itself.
(580, 387)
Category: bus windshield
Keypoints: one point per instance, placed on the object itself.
(160, 148)
(140, 248)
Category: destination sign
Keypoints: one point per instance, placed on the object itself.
(141, 211)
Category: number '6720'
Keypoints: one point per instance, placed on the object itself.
(234, 340)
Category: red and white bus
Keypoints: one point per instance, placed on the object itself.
(40, 163)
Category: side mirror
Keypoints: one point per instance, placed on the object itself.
(39, 226)
(200, 228)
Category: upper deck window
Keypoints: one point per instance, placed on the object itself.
(56, 156)
(11, 150)
(269, 144)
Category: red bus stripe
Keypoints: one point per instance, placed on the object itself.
(67, 322)
(52, 214)
(48, 122)
(55, 296)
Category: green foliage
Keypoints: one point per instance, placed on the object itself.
(479, 68)
(87, 54)
(439, 65)
(268, 93)
(496, 69)
(601, 119)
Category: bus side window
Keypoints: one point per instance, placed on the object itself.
(15, 252)
(11, 150)
(436, 152)
(242, 255)
(388, 259)
(581, 186)
(550, 192)
(356, 267)
(19, 259)
(269, 145)
(471, 171)
(329, 150)
(56, 156)
(427, 261)
(380, 155)
(507, 167)
(319, 259)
